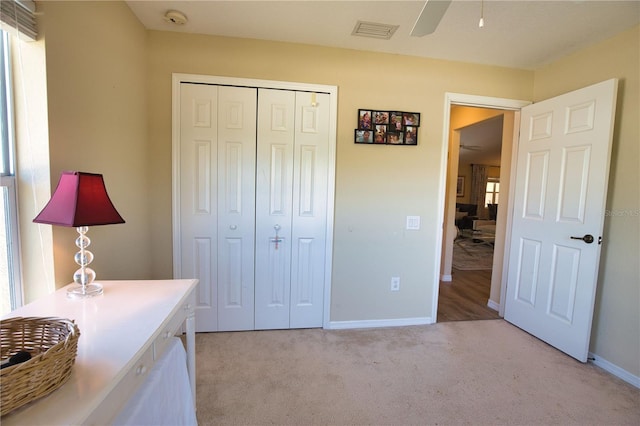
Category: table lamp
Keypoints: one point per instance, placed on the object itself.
(81, 200)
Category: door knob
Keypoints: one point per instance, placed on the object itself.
(587, 238)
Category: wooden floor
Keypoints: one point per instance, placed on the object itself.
(465, 297)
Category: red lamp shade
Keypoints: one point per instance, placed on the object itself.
(80, 199)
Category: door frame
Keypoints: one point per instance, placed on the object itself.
(177, 79)
(480, 102)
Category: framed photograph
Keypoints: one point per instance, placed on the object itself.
(381, 117)
(460, 187)
(411, 119)
(396, 121)
(380, 135)
(411, 135)
(364, 136)
(364, 119)
(395, 138)
(387, 127)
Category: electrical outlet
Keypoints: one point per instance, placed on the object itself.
(395, 283)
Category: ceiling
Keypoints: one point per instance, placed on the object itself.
(481, 142)
(517, 33)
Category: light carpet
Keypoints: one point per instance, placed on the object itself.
(472, 256)
(455, 373)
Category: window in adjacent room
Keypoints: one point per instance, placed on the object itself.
(10, 282)
(492, 192)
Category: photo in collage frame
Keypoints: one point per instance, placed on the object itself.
(387, 127)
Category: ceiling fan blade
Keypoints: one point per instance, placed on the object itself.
(429, 18)
(471, 147)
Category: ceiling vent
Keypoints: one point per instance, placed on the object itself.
(374, 30)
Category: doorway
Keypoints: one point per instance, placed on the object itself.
(472, 293)
(548, 188)
(465, 290)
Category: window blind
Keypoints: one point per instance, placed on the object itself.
(19, 15)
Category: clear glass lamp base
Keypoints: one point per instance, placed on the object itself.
(79, 291)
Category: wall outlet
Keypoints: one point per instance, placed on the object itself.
(395, 283)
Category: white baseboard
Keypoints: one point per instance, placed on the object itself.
(446, 278)
(615, 370)
(399, 322)
(493, 305)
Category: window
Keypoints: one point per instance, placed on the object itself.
(492, 192)
(10, 284)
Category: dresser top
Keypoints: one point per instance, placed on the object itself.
(115, 329)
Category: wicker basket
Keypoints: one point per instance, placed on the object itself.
(52, 343)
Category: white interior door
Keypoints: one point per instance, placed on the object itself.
(274, 205)
(198, 200)
(236, 207)
(254, 190)
(291, 208)
(217, 202)
(560, 193)
(310, 189)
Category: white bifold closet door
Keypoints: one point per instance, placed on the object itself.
(291, 216)
(253, 197)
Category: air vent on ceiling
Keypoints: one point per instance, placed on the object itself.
(374, 30)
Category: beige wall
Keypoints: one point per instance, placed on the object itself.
(96, 78)
(616, 328)
(376, 186)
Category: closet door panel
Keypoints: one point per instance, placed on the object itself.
(309, 219)
(236, 207)
(198, 194)
(273, 207)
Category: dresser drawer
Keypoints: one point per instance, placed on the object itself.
(170, 330)
(119, 396)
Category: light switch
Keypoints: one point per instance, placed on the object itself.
(413, 223)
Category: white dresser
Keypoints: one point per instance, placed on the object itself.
(123, 333)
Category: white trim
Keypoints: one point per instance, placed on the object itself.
(399, 322)
(249, 82)
(177, 79)
(14, 259)
(493, 305)
(331, 195)
(446, 278)
(614, 369)
(466, 100)
(485, 101)
(175, 174)
(11, 181)
(512, 196)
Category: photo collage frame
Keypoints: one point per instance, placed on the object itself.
(387, 127)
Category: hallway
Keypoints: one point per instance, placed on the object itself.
(465, 297)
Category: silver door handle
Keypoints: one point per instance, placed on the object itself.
(587, 238)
